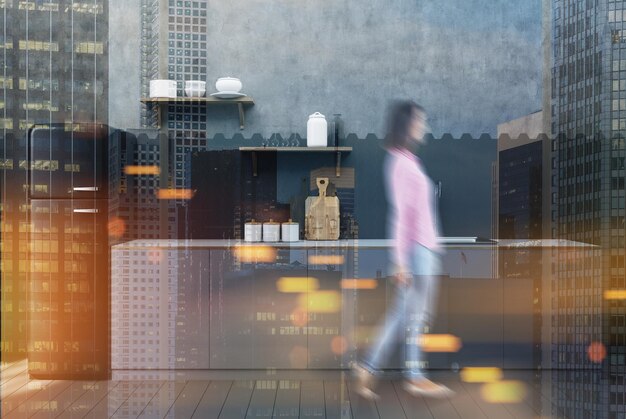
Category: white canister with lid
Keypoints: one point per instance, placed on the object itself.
(252, 232)
(290, 231)
(317, 131)
(271, 231)
(163, 88)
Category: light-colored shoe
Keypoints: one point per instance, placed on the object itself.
(365, 381)
(429, 389)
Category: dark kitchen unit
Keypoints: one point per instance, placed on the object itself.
(69, 252)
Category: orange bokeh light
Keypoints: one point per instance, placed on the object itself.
(297, 284)
(439, 343)
(142, 170)
(481, 374)
(255, 254)
(339, 345)
(615, 295)
(326, 260)
(175, 194)
(299, 317)
(596, 352)
(116, 227)
(320, 301)
(503, 392)
(359, 284)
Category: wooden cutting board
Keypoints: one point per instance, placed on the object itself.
(322, 214)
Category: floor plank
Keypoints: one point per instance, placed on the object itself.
(213, 399)
(238, 400)
(263, 399)
(389, 404)
(25, 392)
(38, 400)
(88, 400)
(462, 401)
(361, 408)
(415, 407)
(491, 410)
(337, 402)
(17, 386)
(63, 400)
(163, 400)
(15, 370)
(113, 400)
(188, 400)
(138, 400)
(312, 399)
(287, 404)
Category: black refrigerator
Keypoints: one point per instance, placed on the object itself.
(69, 252)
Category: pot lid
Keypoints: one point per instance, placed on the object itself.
(228, 78)
(290, 223)
(317, 115)
(271, 222)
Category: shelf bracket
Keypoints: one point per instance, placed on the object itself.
(242, 117)
(338, 164)
(255, 164)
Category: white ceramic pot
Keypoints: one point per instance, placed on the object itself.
(163, 88)
(317, 131)
(290, 231)
(195, 88)
(253, 232)
(271, 232)
(228, 84)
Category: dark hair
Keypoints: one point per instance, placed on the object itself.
(399, 117)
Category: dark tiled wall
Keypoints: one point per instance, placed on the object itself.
(463, 166)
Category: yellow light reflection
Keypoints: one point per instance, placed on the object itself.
(255, 254)
(175, 194)
(481, 374)
(439, 343)
(615, 295)
(320, 301)
(142, 170)
(326, 260)
(503, 392)
(359, 284)
(297, 284)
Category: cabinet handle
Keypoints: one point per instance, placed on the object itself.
(86, 210)
(85, 189)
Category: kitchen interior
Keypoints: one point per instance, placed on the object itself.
(275, 258)
(220, 213)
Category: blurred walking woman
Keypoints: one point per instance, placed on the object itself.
(414, 256)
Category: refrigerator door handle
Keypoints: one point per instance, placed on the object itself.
(86, 210)
(85, 189)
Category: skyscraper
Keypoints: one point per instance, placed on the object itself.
(54, 65)
(588, 111)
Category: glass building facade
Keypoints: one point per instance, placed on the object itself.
(54, 69)
(588, 111)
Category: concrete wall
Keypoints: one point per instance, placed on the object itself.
(472, 64)
(124, 63)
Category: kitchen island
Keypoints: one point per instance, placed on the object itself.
(224, 304)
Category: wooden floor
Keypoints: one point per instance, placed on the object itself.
(251, 394)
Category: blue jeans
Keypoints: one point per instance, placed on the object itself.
(411, 309)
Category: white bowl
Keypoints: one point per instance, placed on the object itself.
(228, 84)
(195, 88)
